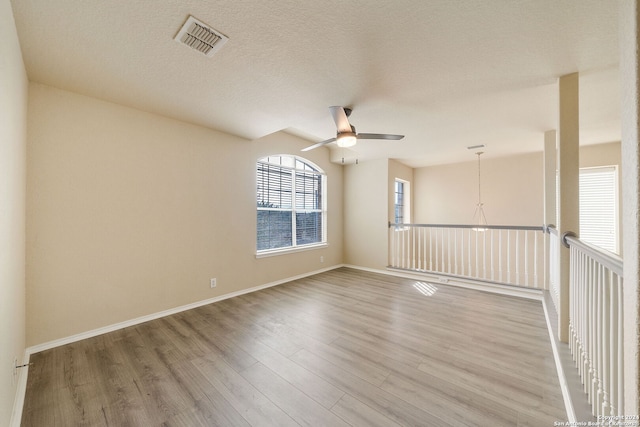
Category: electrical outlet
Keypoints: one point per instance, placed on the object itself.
(213, 282)
(321, 259)
(443, 280)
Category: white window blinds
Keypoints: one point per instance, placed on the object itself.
(290, 203)
(599, 207)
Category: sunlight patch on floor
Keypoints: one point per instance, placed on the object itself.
(426, 289)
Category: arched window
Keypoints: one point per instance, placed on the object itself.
(291, 204)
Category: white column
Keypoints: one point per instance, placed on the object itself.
(568, 168)
(630, 118)
(550, 167)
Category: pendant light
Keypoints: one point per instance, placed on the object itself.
(479, 219)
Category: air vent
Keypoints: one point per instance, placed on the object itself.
(474, 147)
(199, 36)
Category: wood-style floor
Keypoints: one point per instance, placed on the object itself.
(340, 348)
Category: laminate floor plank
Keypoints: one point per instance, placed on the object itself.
(358, 414)
(304, 410)
(454, 411)
(254, 406)
(122, 401)
(380, 400)
(304, 380)
(260, 331)
(344, 347)
(351, 362)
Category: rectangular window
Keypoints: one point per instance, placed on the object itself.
(401, 203)
(599, 207)
(598, 194)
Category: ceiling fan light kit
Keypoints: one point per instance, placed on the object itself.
(346, 139)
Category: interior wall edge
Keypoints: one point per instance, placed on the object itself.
(21, 390)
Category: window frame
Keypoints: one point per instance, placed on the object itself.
(297, 165)
(612, 172)
(406, 202)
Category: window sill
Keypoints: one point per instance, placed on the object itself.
(284, 251)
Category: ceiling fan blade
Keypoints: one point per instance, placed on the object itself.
(378, 136)
(340, 117)
(319, 144)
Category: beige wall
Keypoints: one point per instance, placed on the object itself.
(512, 191)
(368, 209)
(512, 187)
(13, 125)
(600, 155)
(130, 213)
(366, 192)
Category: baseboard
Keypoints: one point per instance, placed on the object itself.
(564, 386)
(21, 389)
(114, 327)
(514, 291)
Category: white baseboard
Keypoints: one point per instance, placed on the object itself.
(114, 327)
(514, 291)
(21, 389)
(564, 386)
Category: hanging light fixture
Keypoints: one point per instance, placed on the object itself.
(478, 216)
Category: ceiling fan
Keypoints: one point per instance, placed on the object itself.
(346, 135)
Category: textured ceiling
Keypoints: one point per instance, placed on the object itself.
(447, 74)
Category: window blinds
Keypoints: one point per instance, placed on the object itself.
(290, 203)
(598, 207)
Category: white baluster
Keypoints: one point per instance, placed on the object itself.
(620, 376)
(517, 257)
(484, 254)
(591, 337)
(606, 343)
(455, 249)
(449, 250)
(469, 273)
(493, 275)
(526, 258)
(508, 256)
(613, 349)
(424, 243)
(500, 254)
(430, 250)
(442, 251)
(597, 384)
(401, 235)
(393, 246)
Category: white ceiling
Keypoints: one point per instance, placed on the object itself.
(446, 73)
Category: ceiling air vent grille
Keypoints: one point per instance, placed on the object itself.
(199, 36)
